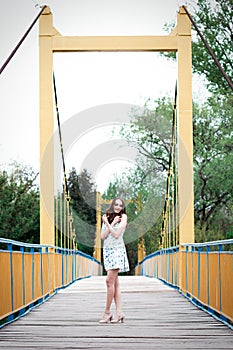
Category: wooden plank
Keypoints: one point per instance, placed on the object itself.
(156, 317)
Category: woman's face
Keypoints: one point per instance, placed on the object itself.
(118, 206)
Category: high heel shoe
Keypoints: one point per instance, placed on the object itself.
(106, 318)
(119, 319)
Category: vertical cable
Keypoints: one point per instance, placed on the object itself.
(167, 227)
(67, 213)
(60, 137)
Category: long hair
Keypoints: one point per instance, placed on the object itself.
(110, 211)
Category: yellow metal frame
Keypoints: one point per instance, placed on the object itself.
(179, 41)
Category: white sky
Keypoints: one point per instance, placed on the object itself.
(84, 80)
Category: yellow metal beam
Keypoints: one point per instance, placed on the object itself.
(114, 43)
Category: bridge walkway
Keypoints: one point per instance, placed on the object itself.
(157, 317)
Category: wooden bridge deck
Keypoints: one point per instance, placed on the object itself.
(157, 317)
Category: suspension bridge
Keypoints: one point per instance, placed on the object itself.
(52, 294)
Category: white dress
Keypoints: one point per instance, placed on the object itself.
(114, 252)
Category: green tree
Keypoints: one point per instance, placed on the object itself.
(213, 123)
(213, 159)
(213, 147)
(150, 133)
(212, 132)
(214, 19)
(19, 204)
(83, 202)
(112, 190)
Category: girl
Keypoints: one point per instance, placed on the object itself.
(115, 256)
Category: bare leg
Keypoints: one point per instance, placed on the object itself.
(110, 282)
(117, 296)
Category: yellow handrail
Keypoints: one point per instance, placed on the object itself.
(205, 275)
(31, 273)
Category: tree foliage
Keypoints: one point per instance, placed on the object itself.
(150, 133)
(214, 19)
(19, 204)
(212, 123)
(213, 146)
(213, 159)
(83, 202)
(144, 185)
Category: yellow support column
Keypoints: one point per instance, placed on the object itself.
(141, 245)
(185, 130)
(46, 130)
(141, 249)
(185, 137)
(97, 249)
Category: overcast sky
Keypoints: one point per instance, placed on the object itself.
(84, 80)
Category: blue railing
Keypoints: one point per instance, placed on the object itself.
(31, 273)
(203, 272)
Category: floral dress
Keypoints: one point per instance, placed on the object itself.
(114, 252)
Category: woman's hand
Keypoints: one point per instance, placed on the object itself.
(105, 219)
(116, 232)
(116, 219)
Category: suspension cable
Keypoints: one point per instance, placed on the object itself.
(170, 173)
(21, 41)
(209, 49)
(68, 231)
(60, 137)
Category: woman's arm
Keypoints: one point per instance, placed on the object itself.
(118, 231)
(106, 230)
